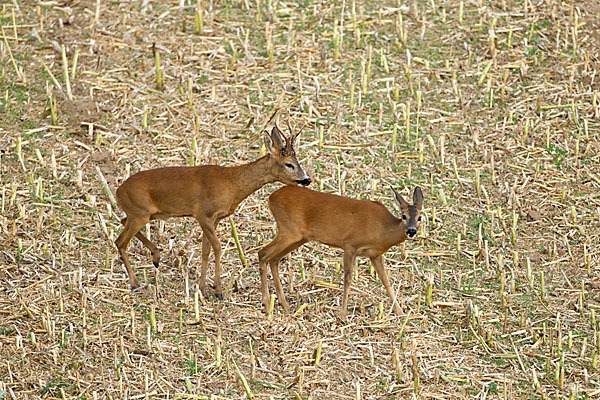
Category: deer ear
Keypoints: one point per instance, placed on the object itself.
(418, 198)
(403, 203)
(269, 143)
(277, 138)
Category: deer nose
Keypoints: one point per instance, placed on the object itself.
(411, 232)
(304, 182)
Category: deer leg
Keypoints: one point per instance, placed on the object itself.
(274, 264)
(208, 228)
(205, 254)
(349, 260)
(149, 245)
(265, 255)
(132, 226)
(378, 264)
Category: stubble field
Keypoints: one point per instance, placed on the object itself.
(490, 106)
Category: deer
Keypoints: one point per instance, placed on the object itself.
(207, 193)
(361, 228)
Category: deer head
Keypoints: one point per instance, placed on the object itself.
(411, 217)
(285, 166)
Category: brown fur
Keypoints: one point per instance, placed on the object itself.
(208, 193)
(359, 227)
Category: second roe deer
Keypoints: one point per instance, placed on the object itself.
(359, 227)
(208, 193)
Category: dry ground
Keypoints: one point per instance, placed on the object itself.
(491, 106)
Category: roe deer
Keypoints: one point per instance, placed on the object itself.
(359, 227)
(208, 193)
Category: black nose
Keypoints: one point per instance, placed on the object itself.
(411, 232)
(304, 182)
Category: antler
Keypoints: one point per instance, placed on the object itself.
(292, 138)
(300, 131)
(289, 140)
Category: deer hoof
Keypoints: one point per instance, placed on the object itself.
(155, 264)
(219, 296)
(342, 316)
(135, 285)
(139, 288)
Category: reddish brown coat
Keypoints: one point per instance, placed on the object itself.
(359, 227)
(208, 193)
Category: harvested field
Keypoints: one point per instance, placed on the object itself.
(492, 107)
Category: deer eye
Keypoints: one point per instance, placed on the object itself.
(288, 165)
(418, 219)
(404, 217)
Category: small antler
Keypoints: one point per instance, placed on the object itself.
(292, 138)
(289, 141)
(300, 131)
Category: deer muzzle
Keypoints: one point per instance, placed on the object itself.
(304, 182)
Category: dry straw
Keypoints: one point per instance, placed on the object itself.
(491, 107)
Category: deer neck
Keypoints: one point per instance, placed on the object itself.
(396, 233)
(251, 177)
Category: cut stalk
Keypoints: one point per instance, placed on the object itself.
(74, 65)
(429, 291)
(485, 72)
(105, 187)
(12, 59)
(197, 305)
(153, 318)
(199, 19)
(237, 243)
(271, 307)
(53, 110)
(160, 85)
(415, 366)
(318, 353)
(66, 72)
(321, 133)
(244, 382)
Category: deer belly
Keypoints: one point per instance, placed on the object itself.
(368, 253)
(164, 216)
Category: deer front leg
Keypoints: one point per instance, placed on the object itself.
(378, 264)
(349, 260)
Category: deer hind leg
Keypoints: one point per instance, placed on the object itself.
(132, 226)
(210, 234)
(274, 264)
(149, 245)
(264, 255)
(271, 254)
(382, 273)
(349, 261)
(205, 254)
